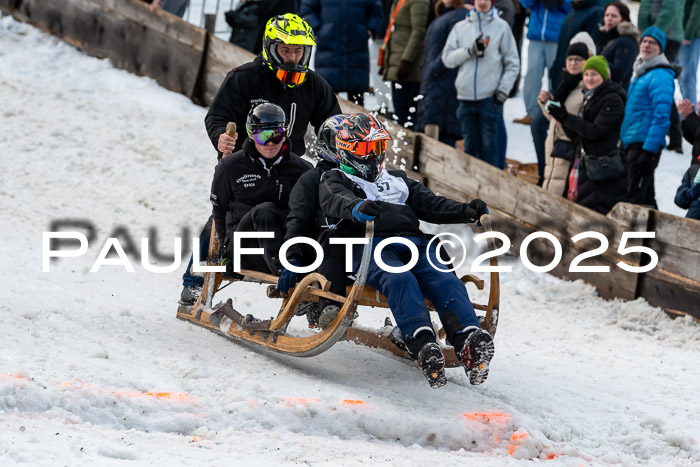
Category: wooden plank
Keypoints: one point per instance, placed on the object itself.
(160, 46)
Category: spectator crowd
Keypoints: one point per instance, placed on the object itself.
(598, 125)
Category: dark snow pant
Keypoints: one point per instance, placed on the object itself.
(176, 7)
(538, 128)
(188, 279)
(675, 135)
(403, 99)
(265, 217)
(405, 291)
(640, 187)
(480, 122)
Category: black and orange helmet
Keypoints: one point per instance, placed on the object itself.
(361, 146)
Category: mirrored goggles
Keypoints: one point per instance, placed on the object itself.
(271, 135)
(291, 77)
(363, 148)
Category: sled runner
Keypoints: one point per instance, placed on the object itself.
(271, 334)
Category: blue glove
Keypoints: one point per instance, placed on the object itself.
(366, 210)
(288, 278)
(694, 192)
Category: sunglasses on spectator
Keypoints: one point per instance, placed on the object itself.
(362, 148)
(574, 59)
(271, 135)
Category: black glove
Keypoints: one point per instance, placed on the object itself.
(500, 97)
(288, 278)
(366, 210)
(647, 163)
(557, 111)
(478, 47)
(473, 210)
(404, 71)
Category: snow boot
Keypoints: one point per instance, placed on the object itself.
(431, 361)
(304, 308)
(476, 354)
(312, 317)
(188, 297)
(327, 315)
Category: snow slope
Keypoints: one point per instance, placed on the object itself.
(96, 370)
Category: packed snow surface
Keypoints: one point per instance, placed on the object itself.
(96, 370)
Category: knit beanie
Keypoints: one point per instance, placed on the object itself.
(585, 38)
(599, 64)
(579, 49)
(657, 34)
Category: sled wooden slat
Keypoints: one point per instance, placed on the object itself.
(271, 334)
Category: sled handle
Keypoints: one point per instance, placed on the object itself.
(492, 313)
(231, 131)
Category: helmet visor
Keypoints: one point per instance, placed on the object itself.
(363, 149)
(270, 135)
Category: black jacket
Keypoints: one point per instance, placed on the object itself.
(338, 195)
(243, 180)
(597, 130)
(691, 132)
(683, 199)
(619, 47)
(254, 82)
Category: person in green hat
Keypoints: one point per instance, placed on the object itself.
(595, 132)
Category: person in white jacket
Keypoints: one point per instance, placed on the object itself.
(483, 47)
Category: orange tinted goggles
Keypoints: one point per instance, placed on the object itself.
(288, 77)
(362, 148)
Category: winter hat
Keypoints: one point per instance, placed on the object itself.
(579, 49)
(657, 34)
(599, 64)
(585, 38)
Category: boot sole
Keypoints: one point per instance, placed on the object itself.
(483, 353)
(433, 368)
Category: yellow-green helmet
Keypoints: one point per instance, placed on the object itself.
(288, 29)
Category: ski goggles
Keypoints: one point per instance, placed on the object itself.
(362, 148)
(270, 135)
(291, 77)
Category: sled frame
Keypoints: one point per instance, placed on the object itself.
(271, 334)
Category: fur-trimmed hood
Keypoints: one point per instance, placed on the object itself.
(625, 28)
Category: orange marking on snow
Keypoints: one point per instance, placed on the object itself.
(10, 375)
(350, 402)
(174, 396)
(551, 456)
(300, 400)
(518, 435)
(498, 418)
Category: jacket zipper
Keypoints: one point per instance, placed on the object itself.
(544, 22)
(476, 67)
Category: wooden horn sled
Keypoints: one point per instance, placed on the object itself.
(271, 334)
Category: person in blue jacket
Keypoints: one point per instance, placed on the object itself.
(342, 30)
(546, 18)
(439, 103)
(647, 116)
(586, 15)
